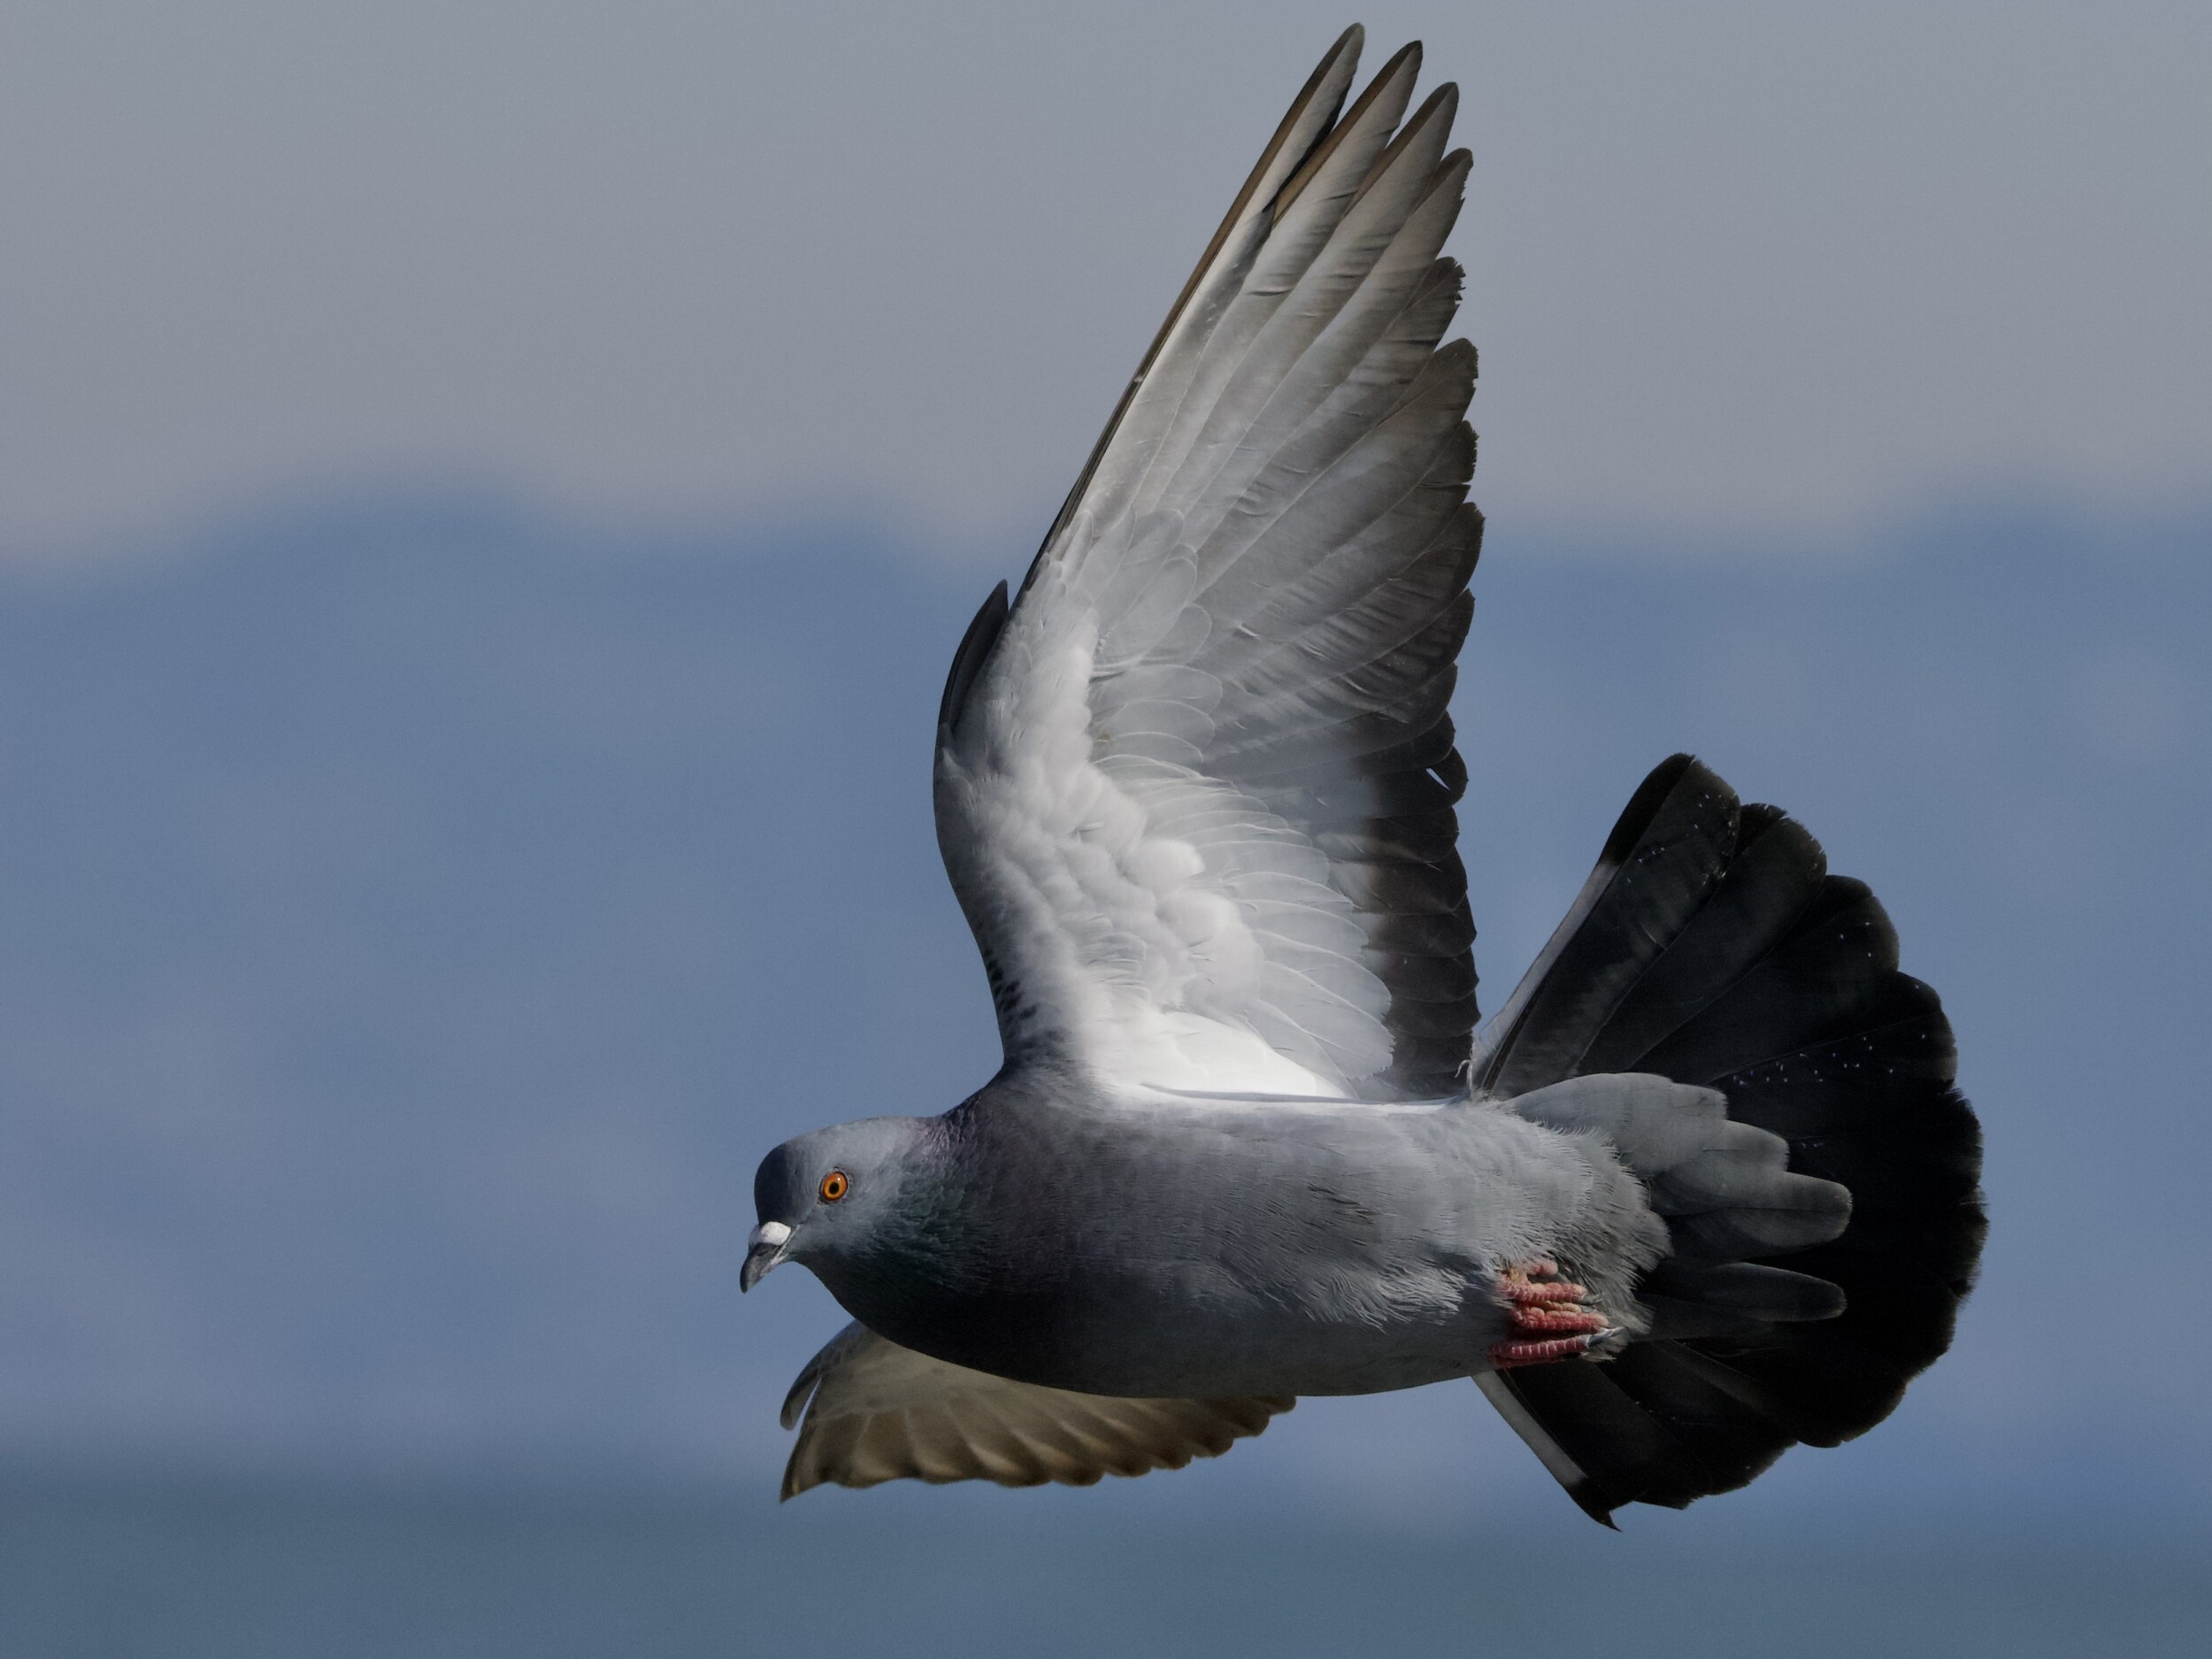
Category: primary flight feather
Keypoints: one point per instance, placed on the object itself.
(1703, 1190)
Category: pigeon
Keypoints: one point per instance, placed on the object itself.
(1702, 1190)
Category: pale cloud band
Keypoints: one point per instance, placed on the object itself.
(1732, 265)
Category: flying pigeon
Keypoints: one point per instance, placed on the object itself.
(1702, 1189)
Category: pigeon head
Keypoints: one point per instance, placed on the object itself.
(826, 1198)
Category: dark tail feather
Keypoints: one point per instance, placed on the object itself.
(1710, 946)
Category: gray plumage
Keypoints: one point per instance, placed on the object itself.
(1195, 792)
(1047, 1234)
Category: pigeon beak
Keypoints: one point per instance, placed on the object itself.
(762, 1251)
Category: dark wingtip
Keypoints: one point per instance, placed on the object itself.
(1295, 185)
(1410, 52)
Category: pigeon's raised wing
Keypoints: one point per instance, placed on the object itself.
(874, 1411)
(1195, 790)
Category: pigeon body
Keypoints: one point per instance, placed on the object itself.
(1700, 1190)
(1184, 1247)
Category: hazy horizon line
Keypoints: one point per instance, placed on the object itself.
(485, 504)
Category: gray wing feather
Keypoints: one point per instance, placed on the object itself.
(1195, 792)
(868, 1411)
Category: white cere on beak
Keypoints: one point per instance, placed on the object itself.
(762, 1251)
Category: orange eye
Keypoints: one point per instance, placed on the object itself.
(834, 1186)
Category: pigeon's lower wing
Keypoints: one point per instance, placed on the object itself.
(874, 1411)
(1195, 788)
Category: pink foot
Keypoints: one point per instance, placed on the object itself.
(1546, 1322)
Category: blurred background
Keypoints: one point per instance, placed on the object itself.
(488, 495)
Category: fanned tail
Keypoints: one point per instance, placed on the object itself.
(1711, 947)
